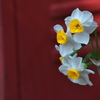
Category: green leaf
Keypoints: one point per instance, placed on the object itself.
(87, 57)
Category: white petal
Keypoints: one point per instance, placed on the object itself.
(83, 80)
(80, 81)
(63, 69)
(66, 49)
(67, 61)
(82, 37)
(57, 47)
(58, 28)
(68, 33)
(91, 28)
(72, 63)
(86, 18)
(85, 77)
(67, 20)
(74, 81)
(89, 71)
(76, 14)
(79, 66)
(76, 45)
(75, 63)
(64, 61)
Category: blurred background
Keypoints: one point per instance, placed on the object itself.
(28, 60)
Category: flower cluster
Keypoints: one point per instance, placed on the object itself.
(79, 27)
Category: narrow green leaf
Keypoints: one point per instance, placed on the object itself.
(87, 57)
(97, 46)
(74, 52)
(93, 49)
(89, 64)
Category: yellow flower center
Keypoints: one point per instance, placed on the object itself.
(75, 26)
(62, 38)
(60, 58)
(73, 74)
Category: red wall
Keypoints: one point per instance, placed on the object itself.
(29, 61)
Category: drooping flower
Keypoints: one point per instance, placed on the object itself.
(82, 24)
(66, 43)
(96, 63)
(74, 69)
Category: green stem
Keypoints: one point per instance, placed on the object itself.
(87, 57)
(77, 50)
(89, 64)
(74, 52)
(93, 49)
(97, 46)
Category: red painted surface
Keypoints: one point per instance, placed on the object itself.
(30, 60)
(9, 50)
(1, 62)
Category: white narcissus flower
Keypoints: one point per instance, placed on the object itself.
(74, 69)
(66, 43)
(95, 62)
(81, 23)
